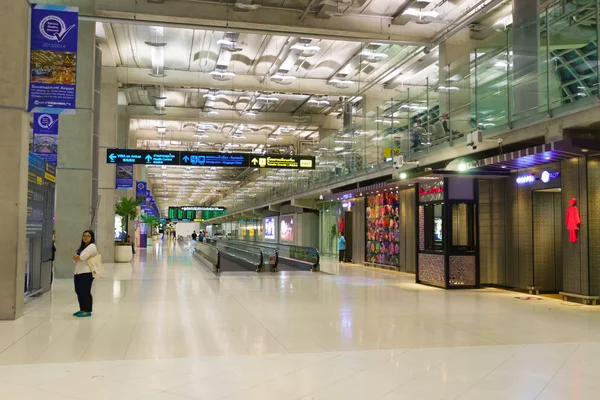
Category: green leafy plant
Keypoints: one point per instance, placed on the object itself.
(126, 208)
(151, 221)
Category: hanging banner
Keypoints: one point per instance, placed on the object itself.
(45, 137)
(124, 176)
(53, 70)
(140, 192)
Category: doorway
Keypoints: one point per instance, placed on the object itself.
(547, 240)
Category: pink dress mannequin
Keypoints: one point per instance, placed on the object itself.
(573, 220)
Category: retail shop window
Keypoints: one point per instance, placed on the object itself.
(434, 217)
(463, 227)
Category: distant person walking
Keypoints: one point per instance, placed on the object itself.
(83, 274)
(342, 247)
(194, 236)
(201, 237)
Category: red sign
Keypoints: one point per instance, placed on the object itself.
(431, 190)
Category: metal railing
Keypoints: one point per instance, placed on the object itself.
(301, 257)
(247, 254)
(208, 254)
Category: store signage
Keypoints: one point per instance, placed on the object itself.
(545, 177)
(53, 59)
(45, 136)
(208, 159)
(146, 157)
(347, 205)
(424, 191)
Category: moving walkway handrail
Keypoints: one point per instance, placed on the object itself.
(208, 253)
(310, 250)
(230, 251)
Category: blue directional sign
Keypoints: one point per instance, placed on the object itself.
(147, 157)
(214, 159)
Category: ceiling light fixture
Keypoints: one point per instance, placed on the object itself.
(340, 83)
(283, 79)
(222, 75)
(420, 13)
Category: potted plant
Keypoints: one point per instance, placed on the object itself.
(152, 222)
(126, 208)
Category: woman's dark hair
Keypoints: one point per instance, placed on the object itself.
(92, 240)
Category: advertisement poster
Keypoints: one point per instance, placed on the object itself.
(124, 178)
(52, 81)
(140, 191)
(286, 230)
(45, 137)
(270, 228)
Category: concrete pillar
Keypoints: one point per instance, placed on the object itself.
(526, 57)
(108, 133)
(74, 173)
(455, 81)
(14, 64)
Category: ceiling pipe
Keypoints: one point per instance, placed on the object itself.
(306, 10)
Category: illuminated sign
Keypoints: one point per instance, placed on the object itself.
(146, 157)
(526, 179)
(283, 162)
(545, 177)
(270, 228)
(424, 191)
(347, 205)
(208, 159)
(202, 208)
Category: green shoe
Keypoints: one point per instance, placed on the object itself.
(83, 315)
(76, 314)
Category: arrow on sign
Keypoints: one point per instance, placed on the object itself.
(112, 157)
(254, 161)
(186, 159)
(148, 158)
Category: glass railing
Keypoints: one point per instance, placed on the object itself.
(209, 255)
(300, 255)
(248, 254)
(498, 87)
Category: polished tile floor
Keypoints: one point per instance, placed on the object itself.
(165, 328)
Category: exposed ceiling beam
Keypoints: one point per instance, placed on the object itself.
(223, 17)
(230, 116)
(188, 79)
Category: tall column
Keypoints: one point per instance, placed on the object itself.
(108, 131)
(454, 76)
(526, 54)
(14, 136)
(74, 173)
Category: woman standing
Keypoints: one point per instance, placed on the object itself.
(83, 274)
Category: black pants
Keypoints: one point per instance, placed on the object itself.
(342, 255)
(83, 288)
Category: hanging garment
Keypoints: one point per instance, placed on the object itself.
(573, 220)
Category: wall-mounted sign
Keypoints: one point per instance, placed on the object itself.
(431, 192)
(270, 228)
(347, 205)
(208, 159)
(53, 62)
(286, 228)
(545, 177)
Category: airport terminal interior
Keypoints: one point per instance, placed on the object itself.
(300, 199)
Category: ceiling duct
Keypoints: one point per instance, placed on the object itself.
(229, 43)
(414, 11)
(245, 5)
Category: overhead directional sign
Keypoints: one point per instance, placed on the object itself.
(148, 157)
(213, 159)
(208, 159)
(282, 161)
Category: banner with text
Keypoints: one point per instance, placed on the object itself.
(45, 137)
(124, 178)
(53, 67)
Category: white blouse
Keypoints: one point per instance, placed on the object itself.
(81, 266)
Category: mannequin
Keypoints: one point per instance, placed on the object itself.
(573, 220)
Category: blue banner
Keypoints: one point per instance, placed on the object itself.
(45, 137)
(53, 73)
(140, 192)
(124, 176)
